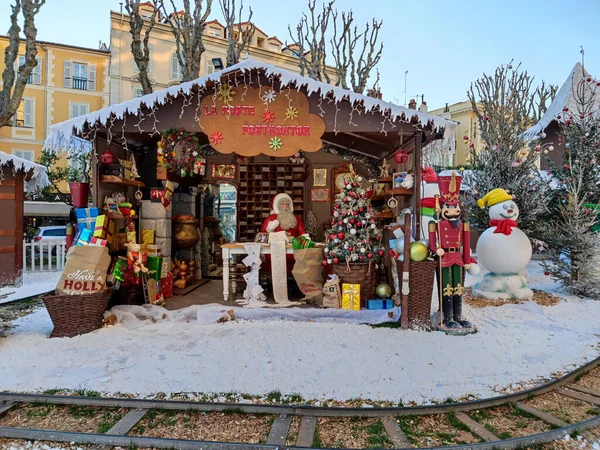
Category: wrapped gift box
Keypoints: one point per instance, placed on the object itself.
(104, 227)
(166, 285)
(147, 237)
(351, 296)
(84, 237)
(379, 303)
(86, 217)
(98, 241)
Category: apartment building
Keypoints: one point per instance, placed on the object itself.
(164, 70)
(68, 81)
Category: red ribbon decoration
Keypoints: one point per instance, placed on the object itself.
(504, 226)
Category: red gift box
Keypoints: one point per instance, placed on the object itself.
(166, 285)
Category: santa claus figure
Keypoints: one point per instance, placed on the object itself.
(282, 217)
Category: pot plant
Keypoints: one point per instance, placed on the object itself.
(78, 177)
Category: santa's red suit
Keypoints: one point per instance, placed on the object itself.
(273, 224)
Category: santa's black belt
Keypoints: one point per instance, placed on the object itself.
(452, 250)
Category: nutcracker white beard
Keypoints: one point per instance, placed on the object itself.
(287, 220)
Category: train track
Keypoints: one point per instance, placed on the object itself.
(469, 417)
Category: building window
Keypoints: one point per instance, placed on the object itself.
(210, 68)
(260, 42)
(79, 109)
(79, 75)
(214, 32)
(36, 74)
(175, 68)
(24, 116)
(137, 91)
(29, 155)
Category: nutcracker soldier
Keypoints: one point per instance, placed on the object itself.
(450, 239)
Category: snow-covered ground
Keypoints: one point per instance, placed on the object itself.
(318, 360)
(33, 284)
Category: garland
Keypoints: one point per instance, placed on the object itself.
(179, 151)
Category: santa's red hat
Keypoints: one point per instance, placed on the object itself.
(277, 199)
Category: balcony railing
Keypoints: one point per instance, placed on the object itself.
(80, 83)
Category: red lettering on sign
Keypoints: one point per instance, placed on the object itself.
(78, 285)
(306, 130)
(68, 284)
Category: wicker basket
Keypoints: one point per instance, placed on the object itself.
(421, 279)
(76, 314)
(359, 274)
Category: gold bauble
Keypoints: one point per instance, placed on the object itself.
(418, 251)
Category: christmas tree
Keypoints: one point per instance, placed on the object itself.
(353, 236)
(574, 245)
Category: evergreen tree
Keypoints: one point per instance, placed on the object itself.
(353, 236)
(570, 229)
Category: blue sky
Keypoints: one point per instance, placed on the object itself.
(444, 45)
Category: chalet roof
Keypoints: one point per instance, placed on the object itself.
(39, 178)
(59, 138)
(565, 98)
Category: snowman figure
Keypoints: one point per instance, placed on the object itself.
(503, 250)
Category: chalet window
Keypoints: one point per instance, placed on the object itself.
(24, 116)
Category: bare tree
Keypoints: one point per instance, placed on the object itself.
(188, 28)
(13, 85)
(236, 44)
(506, 104)
(139, 45)
(359, 62)
(311, 42)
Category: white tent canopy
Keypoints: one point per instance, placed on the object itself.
(565, 97)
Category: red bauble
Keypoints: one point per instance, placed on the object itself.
(381, 253)
(355, 213)
(332, 236)
(485, 118)
(340, 223)
(401, 156)
(107, 158)
(355, 184)
(346, 199)
(369, 255)
(350, 248)
(340, 235)
(361, 258)
(352, 221)
(361, 209)
(336, 260)
(324, 262)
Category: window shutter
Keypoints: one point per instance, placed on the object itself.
(149, 58)
(91, 81)
(36, 75)
(68, 77)
(173, 66)
(28, 112)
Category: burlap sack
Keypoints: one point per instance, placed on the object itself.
(85, 271)
(308, 273)
(332, 294)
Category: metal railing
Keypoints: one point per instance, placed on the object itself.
(80, 83)
(44, 256)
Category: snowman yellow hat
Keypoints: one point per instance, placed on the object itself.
(493, 197)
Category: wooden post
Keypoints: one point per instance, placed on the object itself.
(417, 187)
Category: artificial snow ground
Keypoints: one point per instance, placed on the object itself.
(514, 344)
(33, 285)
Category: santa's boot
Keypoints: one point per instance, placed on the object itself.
(457, 309)
(448, 319)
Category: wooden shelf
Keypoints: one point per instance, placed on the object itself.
(385, 215)
(399, 191)
(385, 180)
(112, 179)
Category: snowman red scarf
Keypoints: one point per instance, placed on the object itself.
(504, 226)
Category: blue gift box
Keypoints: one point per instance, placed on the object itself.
(379, 303)
(86, 218)
(84, 237)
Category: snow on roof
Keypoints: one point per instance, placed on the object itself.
(59, 137)
(39, 178)
(565, 97)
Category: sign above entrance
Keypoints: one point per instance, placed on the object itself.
(250, 121)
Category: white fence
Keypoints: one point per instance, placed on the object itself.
(44, 256)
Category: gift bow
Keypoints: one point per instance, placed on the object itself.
(504, 226)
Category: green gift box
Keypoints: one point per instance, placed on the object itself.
(154, 263)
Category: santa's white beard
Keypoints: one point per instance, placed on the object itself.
(287, 220)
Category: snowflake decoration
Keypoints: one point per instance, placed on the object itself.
(275, 143)
(291, 113)
(225, 93)
(268, 116)
(194, 153)
(216, 138)
(269, 96)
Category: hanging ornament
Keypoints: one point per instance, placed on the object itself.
(291, 113)
(269, 96)
(268, 116)
(107, 158)
(401, 156)
(352, 231)
(340, 235)
(275, 143)
(225, 93)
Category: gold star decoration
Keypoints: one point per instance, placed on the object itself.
(225, 93)
(291, 113)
